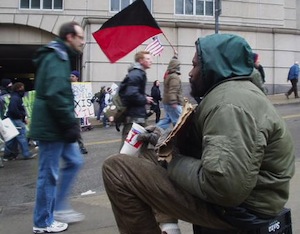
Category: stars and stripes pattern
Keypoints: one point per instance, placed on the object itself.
(155, 47)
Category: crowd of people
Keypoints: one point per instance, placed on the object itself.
(12, 107)
(227, 169)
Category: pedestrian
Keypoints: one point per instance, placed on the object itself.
(17, 114)
(172, 96)
(155, 94)
(75, 78)
(99, 97)
(6, 86)
(107, 102)
(229, 167)
(5, 90)
(258, 74)
(293, 77)
(55, 127)
(259, 67)
(134, 96)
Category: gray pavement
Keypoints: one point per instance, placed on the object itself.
(99, 217)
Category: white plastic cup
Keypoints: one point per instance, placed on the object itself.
(131, 145)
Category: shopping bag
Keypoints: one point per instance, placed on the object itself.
(7, 129)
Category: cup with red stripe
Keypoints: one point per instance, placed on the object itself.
(131, 145)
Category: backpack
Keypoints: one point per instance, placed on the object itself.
(116, 111)
(99, 97)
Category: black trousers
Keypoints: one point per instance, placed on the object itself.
(156, 110)
(294, 88)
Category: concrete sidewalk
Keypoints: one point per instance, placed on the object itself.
(100, 219)
(280, 99)
(99, 216)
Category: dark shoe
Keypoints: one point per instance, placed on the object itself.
(287, 96)
(118, 125)
(9, 157)
(87, 128)
(83, 150)
(297, 97)
(150, 113)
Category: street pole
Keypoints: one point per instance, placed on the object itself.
(218, 10)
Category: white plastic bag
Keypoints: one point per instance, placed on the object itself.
(7, 129)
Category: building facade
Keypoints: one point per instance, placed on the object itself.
(272, 28)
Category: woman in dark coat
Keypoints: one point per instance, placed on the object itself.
(155, 94)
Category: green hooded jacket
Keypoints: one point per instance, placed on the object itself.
(237, 150)
(53, 110)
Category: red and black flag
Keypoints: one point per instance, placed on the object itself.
(126, 30)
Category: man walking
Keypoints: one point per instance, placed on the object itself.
(55, 127)
(172, 97)
(293, 77)
(134, 95)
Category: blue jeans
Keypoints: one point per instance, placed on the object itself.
(171, 116)
(101, 107)
(12, 145)
(54, 184)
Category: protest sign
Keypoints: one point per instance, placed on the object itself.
(82, 99)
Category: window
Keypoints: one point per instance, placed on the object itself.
(118, 5)
(42, 4)
(194, 7)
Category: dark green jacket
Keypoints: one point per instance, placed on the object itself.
(53, 110)
(238, 150)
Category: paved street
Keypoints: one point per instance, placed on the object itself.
(18, 179)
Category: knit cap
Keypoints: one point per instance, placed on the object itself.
(75, 73)
(6, 82)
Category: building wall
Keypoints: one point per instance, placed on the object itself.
(270, 26)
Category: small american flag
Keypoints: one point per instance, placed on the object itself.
(155, 47)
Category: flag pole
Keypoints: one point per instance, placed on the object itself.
(175, 51)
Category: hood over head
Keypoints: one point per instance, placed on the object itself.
(174, 66)
(223, 56)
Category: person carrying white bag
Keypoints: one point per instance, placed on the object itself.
(17, 114)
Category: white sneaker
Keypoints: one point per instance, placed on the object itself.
(55, 227)
(169, 228)
(68, 216)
